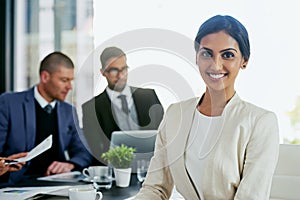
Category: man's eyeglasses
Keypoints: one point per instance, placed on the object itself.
(115, 71)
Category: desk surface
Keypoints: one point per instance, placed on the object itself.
(114, 193)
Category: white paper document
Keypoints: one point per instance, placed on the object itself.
(74, 176)
(22, 193)
(40, 148)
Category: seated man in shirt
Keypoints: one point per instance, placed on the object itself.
(24, 122)
(119, 106)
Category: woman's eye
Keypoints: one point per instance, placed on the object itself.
(205, 54)
(228, 55)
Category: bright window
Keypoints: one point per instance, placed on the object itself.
(43, 26)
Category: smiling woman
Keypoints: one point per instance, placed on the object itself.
(221, 142)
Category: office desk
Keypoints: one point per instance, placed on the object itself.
(115, 193)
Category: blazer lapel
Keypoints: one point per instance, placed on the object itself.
(177, 132)
(104, 102)
(30, 119)
(61, 124)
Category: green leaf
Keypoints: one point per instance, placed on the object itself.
(120, 156)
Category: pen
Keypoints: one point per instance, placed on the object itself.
(10, 162)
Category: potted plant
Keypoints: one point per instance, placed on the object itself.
(120, 157)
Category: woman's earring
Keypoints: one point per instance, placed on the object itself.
(244, 66)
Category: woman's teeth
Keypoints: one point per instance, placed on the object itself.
(217, 76)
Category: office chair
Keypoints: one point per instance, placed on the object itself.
(286, 179)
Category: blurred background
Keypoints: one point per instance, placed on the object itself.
(30, 29)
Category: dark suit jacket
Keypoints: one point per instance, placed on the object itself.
(18, 130)
(98, 120)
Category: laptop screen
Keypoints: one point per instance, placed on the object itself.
(142, 140)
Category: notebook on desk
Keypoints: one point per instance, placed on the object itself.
(74, 176)
(142, 140)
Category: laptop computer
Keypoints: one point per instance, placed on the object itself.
(142, 140)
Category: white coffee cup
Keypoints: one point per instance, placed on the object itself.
(84, 193)
(93, 171)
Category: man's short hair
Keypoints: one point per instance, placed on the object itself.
(110, 52)
(53, 60)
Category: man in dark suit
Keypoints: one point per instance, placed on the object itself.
(28, 117)
(119, 106)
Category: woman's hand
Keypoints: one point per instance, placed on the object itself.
(11, 167)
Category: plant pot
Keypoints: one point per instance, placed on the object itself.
(122, 177)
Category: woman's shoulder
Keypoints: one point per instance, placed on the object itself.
(184, 104)
(252, 110)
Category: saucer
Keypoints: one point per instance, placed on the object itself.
(88, 180)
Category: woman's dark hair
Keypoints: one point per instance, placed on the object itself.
(231, 26)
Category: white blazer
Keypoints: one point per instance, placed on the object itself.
(240, 166)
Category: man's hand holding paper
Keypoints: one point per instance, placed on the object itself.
(43, 146)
